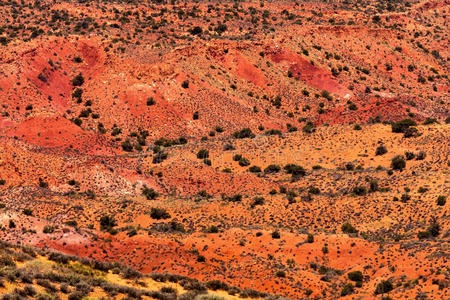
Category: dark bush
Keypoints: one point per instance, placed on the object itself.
(313, 190)
(348, 228)
(347, 289)
(434, 229)
(441, 200)
(202, 154)
(27, 212)
(355, 276)
(107, 223)
(217, 285)
(197, 30)
(228, 147)
(429, 121)
(234, 198)
(280, 274)
(381, 149)
(243, 162)
(127, 146)
(257, 201)
(244, 133)
(374, 185)
(309, 127)
(273, 132)
(421, 155)
(349, 166)
(409, 155)
(411, 132)
(272, 169)
(159, 213)
(149, 193)
(212, 229)
(401, 126)
(398, 163)
(295, 170)
(160, 157)
(78, 80)
(359, 190)
(384, 287)
(254, 169)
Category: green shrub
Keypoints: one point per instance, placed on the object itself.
(313, 190)
(423, 235)
(273, 132)
(434, 229)
(243, 162)
(107, 223)
(276, 234)
(234, 198)
(295, 170)
(48, 229)
(159, 213)
(409, 155)
(203, 154)
(257, 201)
(160, 157)
(254, 169)
(347, 289)
(197, 30)
(401, 126)
(355, 276)
(272, 169)
(237, 157)
(398, 163)
(374, 187)
(27, 212)
(281, 274)
(78, 80)
(384, 287)
(244, 133)
(348, 228)
(421, 155)
(349, 166)
(325, 94)
(149, 193)
(212, 229)
(127, 146)
(309, 127)
(441, 200)
(411, 132)
(360, 190)
(381, 149)
(429, 121)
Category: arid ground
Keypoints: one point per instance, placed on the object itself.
(224, 150)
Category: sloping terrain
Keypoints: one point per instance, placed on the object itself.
(28, 272)
(298, 149)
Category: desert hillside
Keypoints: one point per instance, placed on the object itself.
(224, 150)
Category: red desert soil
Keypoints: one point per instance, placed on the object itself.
(277, 146)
